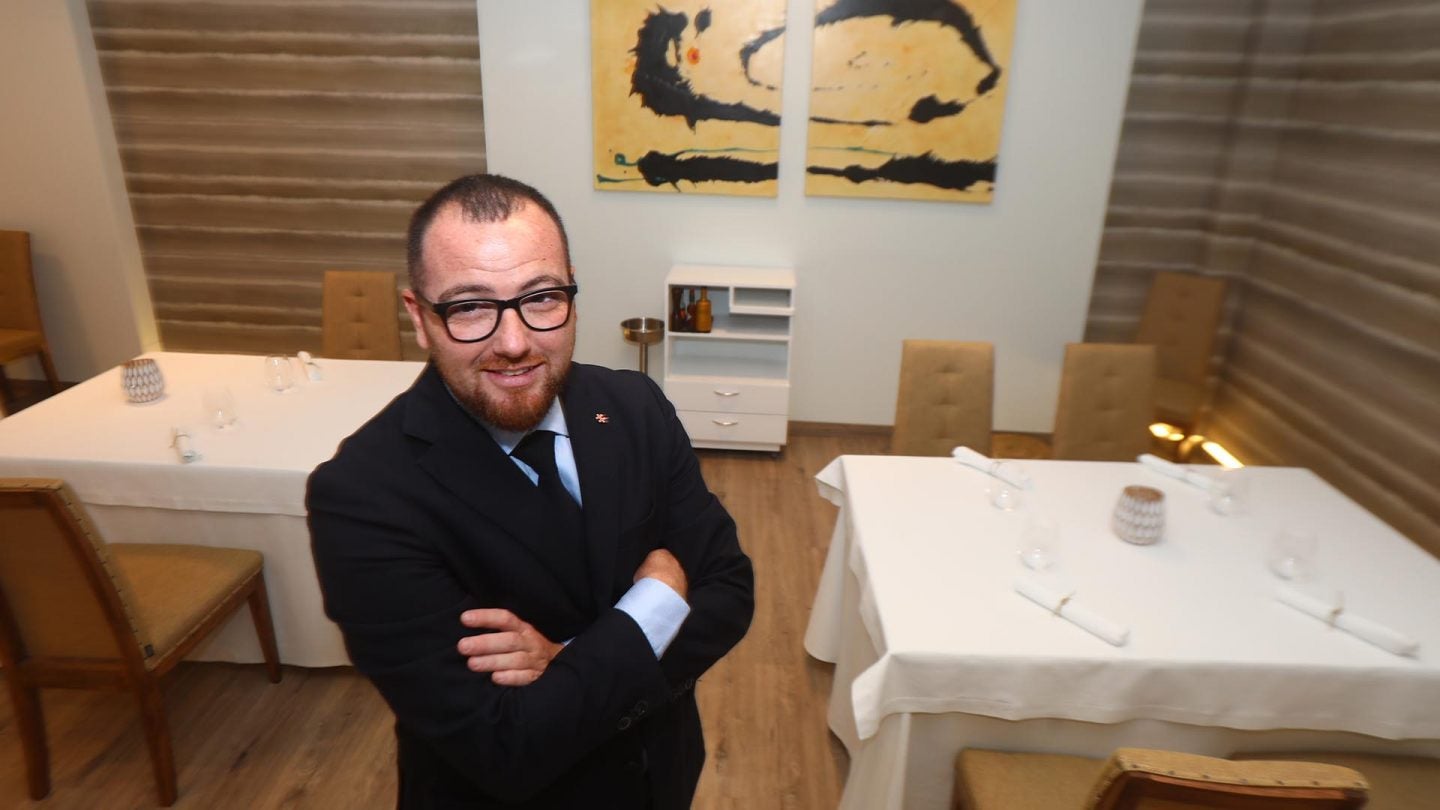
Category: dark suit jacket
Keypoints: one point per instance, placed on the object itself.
(420, 516)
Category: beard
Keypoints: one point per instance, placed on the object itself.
(518, 411)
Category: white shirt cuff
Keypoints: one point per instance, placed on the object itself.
(658, 609)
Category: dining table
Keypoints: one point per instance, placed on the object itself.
(243, 485)
(922, 608)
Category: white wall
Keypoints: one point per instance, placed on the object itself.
(870, 273)
(60, 179)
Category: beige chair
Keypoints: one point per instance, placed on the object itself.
(360, 315)
(1149, 779)
(946, 397)
(1396, 783)
(1107, 394)
(76, 612)
(1182, 314)
(21, 332)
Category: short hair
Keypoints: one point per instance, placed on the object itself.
(482, 198)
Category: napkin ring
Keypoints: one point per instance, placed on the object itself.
(1059, 606)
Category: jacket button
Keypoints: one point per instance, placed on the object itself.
(625, 722)
(641, 708)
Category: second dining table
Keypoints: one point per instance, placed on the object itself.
(246, 489)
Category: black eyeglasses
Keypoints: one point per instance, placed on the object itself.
(471, 320)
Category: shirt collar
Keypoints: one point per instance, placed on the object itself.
(553, 420)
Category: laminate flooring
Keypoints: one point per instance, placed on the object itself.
(323, 738)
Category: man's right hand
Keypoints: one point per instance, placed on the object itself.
(661, 564)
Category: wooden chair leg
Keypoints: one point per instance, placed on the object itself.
(157, 738)
(265, 628)
(6, 395)
(49, 366)
(30, 720)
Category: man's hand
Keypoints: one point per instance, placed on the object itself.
(661, 564)
(515, 655)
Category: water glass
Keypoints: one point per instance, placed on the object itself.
(279, 373)
(1229, 491)
(220, 406)
(1002, 494)
(1292, 554)
(1039, 540)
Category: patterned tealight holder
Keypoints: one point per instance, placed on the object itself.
(1139, 515)
(142, 381)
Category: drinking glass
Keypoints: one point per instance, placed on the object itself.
(220, 406)
(279, 373)
(1003, 495)
(1292, 553)
(1229, 491)
(1038, 541)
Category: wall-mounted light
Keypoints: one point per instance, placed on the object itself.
(1222, 456)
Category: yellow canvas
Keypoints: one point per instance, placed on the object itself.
(907, 98)
(687, 95)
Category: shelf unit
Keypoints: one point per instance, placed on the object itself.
(731, 385)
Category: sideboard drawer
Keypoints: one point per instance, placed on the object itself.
(717, 426)
(729, 397)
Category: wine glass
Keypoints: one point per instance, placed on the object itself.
(1039, 540)
(1229, 491)
(279, 373)
(1004, 495)
(1292, 553)
(219, 405)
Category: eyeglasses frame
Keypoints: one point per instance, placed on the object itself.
(442, 307)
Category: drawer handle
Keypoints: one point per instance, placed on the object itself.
(720, 393)
(726, 422)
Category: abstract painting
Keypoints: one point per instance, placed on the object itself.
(907, 98)
(687, 95)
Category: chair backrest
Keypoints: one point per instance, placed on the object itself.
(1148, 779)
(946, 397)
(360, 315)
(1182, 313)
(19, 306)
(60, 595)
(1107, 400)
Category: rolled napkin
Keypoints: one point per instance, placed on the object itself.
(1175, 471)
(1064, 606)
(1010, 474)
(312, 368)
(184, 445)
(1334, 614)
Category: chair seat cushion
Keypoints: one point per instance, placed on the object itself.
(1396, 783)
(1000, 780)
(174, 587)
(18, 343)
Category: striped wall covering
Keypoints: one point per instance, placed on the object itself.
(1294, 148)
(266, 141)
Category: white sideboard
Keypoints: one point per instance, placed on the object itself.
(731, 385)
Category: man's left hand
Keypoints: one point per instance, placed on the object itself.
(516, 654)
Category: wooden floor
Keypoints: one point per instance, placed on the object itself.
(322, 738)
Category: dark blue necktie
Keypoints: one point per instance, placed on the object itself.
(564, 521)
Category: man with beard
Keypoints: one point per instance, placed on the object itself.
(556, 508)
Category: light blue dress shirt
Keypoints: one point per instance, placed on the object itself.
(655, 606)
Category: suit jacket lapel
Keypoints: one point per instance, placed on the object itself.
(464, 460)
(598, 448)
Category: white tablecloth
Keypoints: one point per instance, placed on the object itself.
(935, 650)
(247, 490)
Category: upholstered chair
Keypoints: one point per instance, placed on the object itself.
(946, 397)
(21, 332)
(76, 612)
(1396, 782)
(1107, 395)
(360, 315)
(1149, 779)
(1181, 316)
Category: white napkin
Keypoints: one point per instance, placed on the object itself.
(1012, 475)
(1064, 606)
(184, 445)
(312, 368)
(1334, 614)
(1175, 471)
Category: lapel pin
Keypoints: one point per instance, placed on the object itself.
(602, 418)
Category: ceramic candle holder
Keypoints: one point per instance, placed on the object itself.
(141, 380)
(1139, 515)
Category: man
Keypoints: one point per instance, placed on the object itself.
(599, 603)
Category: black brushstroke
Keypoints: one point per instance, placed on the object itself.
(661, 88)
(957, 175)
(702, 20)
(820, 119)
(660, 169)
(943, 12)
(752, 47)
(929, 108)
